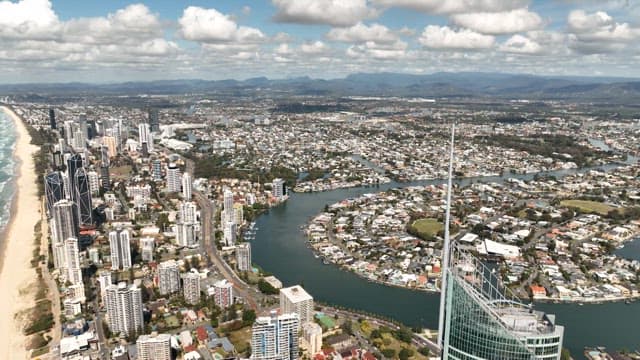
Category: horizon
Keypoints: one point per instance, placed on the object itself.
(119, 41)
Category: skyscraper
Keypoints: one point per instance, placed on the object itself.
(157, 170)
(154, 120)
(275, 337)
(174, 179)
(228, 204)
(74, 273)
(154, 347)
(479, 317)
(278, 189)
(53, 190)
(187, 186)
(187, 212)
(119, 244)
(223, 293)
(191, 285)
(62, 228)
(83, 197)
(147, 247)
(73, 164)
(229, 233)
(105, 180)
(124, 308)
(243, 256)
(295, 299)
(94, 182)
(145, 136)
(168, 277)
(52, 119)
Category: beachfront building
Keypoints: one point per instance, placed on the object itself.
(191, 285)
(74, 273)
(154, 347)
(119, 244)
(124, 308)
(83, 197)
(275, 337)
(53, 190)
(62, 227)
(168, 277)
(295, 299)
(229, 233)
(243, 256)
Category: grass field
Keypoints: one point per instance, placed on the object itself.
(241, 339)
(428, 226)
(588, 206)
(123, 171)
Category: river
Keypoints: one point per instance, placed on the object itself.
(280, 247)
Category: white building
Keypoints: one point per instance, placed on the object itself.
(275, 337)
(188, 212)
(227, 205)
(187, 234)
(191, 285)
(74, 273)
(147, 248)
(105, 280)
(94, 182)
(168, 277)
(62, 228)
(229, 233)
(154, 347)
(119, 244)
(145, 136)
(187, 186)
(312, 337)
(278, 189)
(124, 308)
(223, 293)
(243, 256)
(296, 300)
(174, 178)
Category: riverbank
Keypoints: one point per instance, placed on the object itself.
(17, 278)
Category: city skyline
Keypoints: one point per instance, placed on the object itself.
(43, 41)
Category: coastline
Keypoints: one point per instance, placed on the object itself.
(17, 277)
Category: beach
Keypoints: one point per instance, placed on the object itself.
(17, 277)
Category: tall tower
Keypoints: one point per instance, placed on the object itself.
(296, 300)
(83, 197)
(154, 120)
(52, 119)
(187, 186)
(63, 224)
(74, 273)
(154, 347)
(145, 136)
(73, 164)
(168, 277)
(275, 337)
(191, 285)
(174, 179)
(53, 190)
(243, 256)
(119, 244)
(124, 308)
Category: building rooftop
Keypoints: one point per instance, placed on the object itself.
(296, 293)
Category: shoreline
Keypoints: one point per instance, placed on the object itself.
(17, 276)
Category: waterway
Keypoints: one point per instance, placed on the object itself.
(280, 247)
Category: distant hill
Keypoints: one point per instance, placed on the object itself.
(438, 85)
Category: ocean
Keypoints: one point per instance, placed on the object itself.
(7, 167)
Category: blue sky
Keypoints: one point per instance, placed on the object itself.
(110, 41)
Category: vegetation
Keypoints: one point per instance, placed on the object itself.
(588, 206)
(426, 229)
(267, 288)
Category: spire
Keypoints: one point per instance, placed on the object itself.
(446, 246)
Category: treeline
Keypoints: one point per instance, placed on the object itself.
(300, 108)
(217, 167)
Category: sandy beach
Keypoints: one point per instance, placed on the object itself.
(17, 277)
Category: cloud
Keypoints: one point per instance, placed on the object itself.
(315, 47)
(246, 10)
(330, 12)
(362, 33)
(443, 37)
(496, 23)
(519, 44)
(598, 32)
(211, 26)
(378, 51)
(455, 6)
(28, 19)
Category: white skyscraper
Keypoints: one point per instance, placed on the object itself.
(119, 244)
(105, 280)
(62, 228)
(145, 136)
(278, 189)
(296, 300)
(229, 233)
(243, 256)
(312, 336)
(187, 212)
(147, 248)
(187, 186)
(275, 337)
(187, 234)
(94, 182)
(154, 347)
(228, 205)
(124, 308)
(191, 285)
(74, 273)
(223, 293)
(174, 178)
(168, 277)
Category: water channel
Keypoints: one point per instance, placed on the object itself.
(280, 247)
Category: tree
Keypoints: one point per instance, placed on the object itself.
(389, 353)
(424, 351)
(248, 317)
(267, 288)
(405, 354)
(565, 354)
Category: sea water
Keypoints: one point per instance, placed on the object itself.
(7, 167)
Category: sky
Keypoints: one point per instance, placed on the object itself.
(117, 40)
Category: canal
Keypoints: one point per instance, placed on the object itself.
(280, 247)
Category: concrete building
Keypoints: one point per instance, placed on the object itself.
(124, 308)
(145, 137)
(187, 186)
(105, 280)
(223, 293)
(295, 299)
(74, 273)
(119, 244)
(156, 170)
(191, 285)
(154, 347)
(174, 178)
(243, 256)
(312, 337)
(168, 277)
(147, 248)
(63, 227)
(278, 189)
(275, 337)
(230, 233)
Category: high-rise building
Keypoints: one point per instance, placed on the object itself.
(145, 136)
(105, 280)
(168, 277)
(119, 244)
(187, 186)
(238, 214)
(191, 286)
(124, 308)
(112, 145)
(74, 273)
(278, 189)
(174, 178)
(154, 120)
(229, 233)
(74, 162)
(312, 336)
(154, 347)
(83, 197)
(52, 119)
(228, 204)
(187, 234)
(105, 180)
(295, 299)
(223, 293)
(62, 228)
(94, 182)
(243, 256)
(188, 212)
(147, 248)
(157, 170)
(275, 337)
(53, 190)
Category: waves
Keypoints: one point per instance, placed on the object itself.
(7, 167)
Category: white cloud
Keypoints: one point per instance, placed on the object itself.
(330, 12)
(519, 44)
(246, 10)
(496, 23)
(315, 47)
(443, 37)
(283, 49)
(378, 51)
(211, 26)
(28, 19)
(455, 6)
(598, 32)
(361, 33)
